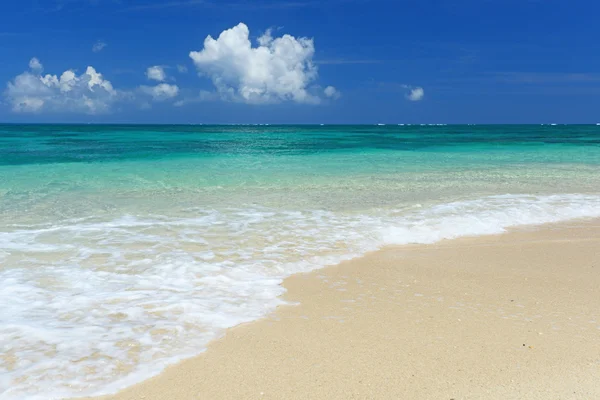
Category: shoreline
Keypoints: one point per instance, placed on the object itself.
(337, 341)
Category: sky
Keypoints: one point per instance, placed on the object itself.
(300, 61)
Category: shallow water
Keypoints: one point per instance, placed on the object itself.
(126, 248)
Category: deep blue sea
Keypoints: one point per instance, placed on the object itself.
(126, 248)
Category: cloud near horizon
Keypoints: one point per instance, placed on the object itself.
(276, 70)
(161, 92)
(331, 92)
(86, 93)
(415, 94)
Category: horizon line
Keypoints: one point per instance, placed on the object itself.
(301, 124)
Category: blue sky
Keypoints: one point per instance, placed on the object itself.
(403, 61)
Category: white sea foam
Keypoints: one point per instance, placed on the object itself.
(88, 306)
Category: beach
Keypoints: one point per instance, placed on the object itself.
(299, 199)
(127, 249)
(512, 316)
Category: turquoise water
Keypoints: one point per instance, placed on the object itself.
(126, 248)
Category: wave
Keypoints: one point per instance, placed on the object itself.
(88, 307)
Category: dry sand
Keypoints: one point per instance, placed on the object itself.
(515, 316)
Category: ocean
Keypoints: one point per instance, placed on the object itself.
(126, 248)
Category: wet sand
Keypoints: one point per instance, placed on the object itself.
(514, 316)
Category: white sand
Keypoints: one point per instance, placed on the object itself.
(515, 316)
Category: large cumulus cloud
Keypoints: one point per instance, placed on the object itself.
(277, 69)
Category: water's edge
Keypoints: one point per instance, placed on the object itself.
(537, 227)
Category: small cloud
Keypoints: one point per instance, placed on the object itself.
(415, 94)
(156, 73)
(36, 65)
(161, 92)
(182, 69)
(98, 46)
(332, 92)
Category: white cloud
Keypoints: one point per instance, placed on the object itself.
(160, 92)
(416, 94)
(36, 65)
(266, 38)
(332, 92)
(182, 69)
(156, 73)
(98, 46)
(278, 69)
(86, 93)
